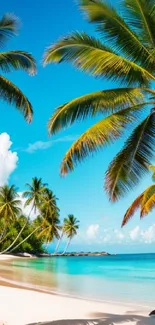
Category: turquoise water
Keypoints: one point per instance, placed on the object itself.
(123, 278)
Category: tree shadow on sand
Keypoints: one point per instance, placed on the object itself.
(106, 319)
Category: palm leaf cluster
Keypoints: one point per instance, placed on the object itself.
(14, 60)
(145, 202)
(123, 52)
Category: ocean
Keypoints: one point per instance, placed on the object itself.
(127, 279)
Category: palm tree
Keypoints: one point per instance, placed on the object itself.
(70, 227)
(50, 213)
(145, 202)
(35, 194)
(14, 60)
(125, 54)
(9, 209)
(9, 203)
(43, 199)
(50, 229)
(59, 240)
(48, 204)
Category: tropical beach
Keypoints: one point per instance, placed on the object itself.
(77, 163)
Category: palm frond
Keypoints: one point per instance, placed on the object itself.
(90, 55)
(8, 27)
(89, 105)
(13, 95)
(127, 168)
(152, 168)
(148, 201)
(17, 60)
(132, 209)
(142, 20)
(102, 133)
(117, 32)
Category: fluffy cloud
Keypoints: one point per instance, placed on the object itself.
(96, 234)
(28, 209)
(92, 232)
(148, 235)
(43, 145)
(135, 233)
(8, 159)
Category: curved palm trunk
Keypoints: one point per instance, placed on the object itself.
(58, 244)
(67, 246)
(8, 248)
(25, 239)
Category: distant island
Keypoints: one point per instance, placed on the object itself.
(77, 254)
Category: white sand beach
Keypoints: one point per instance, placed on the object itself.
(26, 307)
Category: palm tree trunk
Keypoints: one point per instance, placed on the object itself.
(7, 249)
(25, 239)
(58, 244)
(67, 246)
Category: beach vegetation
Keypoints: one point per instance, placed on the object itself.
(32, 232)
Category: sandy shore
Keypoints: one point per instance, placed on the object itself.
(25, 307)
(19, 306)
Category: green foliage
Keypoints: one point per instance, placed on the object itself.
(32, 245)
(14, 60)
(124, 53)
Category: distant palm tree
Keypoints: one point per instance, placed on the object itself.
(48, 203)
(50, 229)
(9, 203)
(50, 213)
(70, 227)
(145, 202)
(14, 60)
(35, 193)
(9, 209)
(43, 199)
(125, 54)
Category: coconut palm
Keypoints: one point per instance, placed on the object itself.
(9, 203)
(125, 54)
(43, 199)
(9, 209)
(59, 240)
(48, 203)
(35, 193)
(50, 213)
(145, 202)
(14, 60)
(50, 229)
(70, 227)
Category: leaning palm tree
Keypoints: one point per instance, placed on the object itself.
(124, 54)
(145, 202)
(14, 60)
(50, 229)
(70, 227)
(48, 203)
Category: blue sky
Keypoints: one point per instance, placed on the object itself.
(81, 192)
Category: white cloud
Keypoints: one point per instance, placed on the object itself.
(96, 234)
(135, 233)
(28, 209)
(148, 235)
(92, 232)
(8, 159)
(43, 145)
